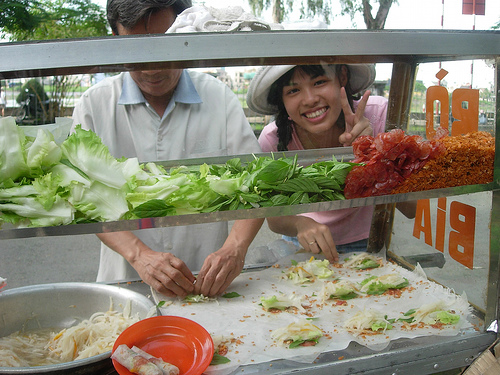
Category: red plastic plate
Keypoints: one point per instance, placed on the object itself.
(179, 341)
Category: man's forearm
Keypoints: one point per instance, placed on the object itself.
(124, 243)
(243, 232)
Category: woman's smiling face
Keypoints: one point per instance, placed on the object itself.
(313, 102)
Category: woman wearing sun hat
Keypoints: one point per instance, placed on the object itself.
(314, 107)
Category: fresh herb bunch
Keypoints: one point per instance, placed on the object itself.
(263, 182)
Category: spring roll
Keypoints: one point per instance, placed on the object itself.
(165, 367)
(134, 362)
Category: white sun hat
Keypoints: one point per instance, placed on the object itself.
(361, 77)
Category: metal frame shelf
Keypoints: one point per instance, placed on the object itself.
(404, 48)
(120, 53)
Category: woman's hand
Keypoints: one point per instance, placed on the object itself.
(356, 124)
(316, 238)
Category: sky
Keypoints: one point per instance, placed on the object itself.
(413, 14)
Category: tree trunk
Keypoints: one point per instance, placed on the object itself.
(378, 22)
(277, 11)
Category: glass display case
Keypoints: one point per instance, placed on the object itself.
(391, 233)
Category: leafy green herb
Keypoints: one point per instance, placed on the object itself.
(161, 304)
(231, 295)
(153, 208)
(410, 312)
(219, 360)
(345, 297)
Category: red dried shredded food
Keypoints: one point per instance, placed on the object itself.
(468, 160)
(388, 159)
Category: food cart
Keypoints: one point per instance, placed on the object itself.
(405, 50)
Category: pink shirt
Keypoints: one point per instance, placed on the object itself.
(341, 222)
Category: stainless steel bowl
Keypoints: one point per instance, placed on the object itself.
(63, 305)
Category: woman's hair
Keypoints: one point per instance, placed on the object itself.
(129, 12)
(275, 97)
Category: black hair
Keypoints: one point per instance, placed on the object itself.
(129, 12)
(275, 97)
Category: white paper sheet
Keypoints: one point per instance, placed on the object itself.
(244, 320)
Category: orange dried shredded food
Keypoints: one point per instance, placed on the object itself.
(467, 160)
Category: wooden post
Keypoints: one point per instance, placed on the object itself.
(398, 114)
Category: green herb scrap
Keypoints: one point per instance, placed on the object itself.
(231, 295)
(219, 360)
(345, 297)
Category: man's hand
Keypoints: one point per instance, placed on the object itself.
(164, 272)
(356, 124)
(222, 267)
(219, 270)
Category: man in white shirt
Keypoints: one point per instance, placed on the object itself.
(161, 115)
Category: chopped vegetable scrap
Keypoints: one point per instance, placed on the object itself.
(300, 333)
(434, 313)
(380, 284)
(387, 160)
(308, 271)
(282, 302)
(368, 321)
(363, 261)
(467, 160)
(342, 290)
(196, 298)
(44, 184)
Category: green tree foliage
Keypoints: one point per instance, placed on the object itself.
(420, 87)
(15, 16)
(323, 9)
(52, 19)
(24, 20)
